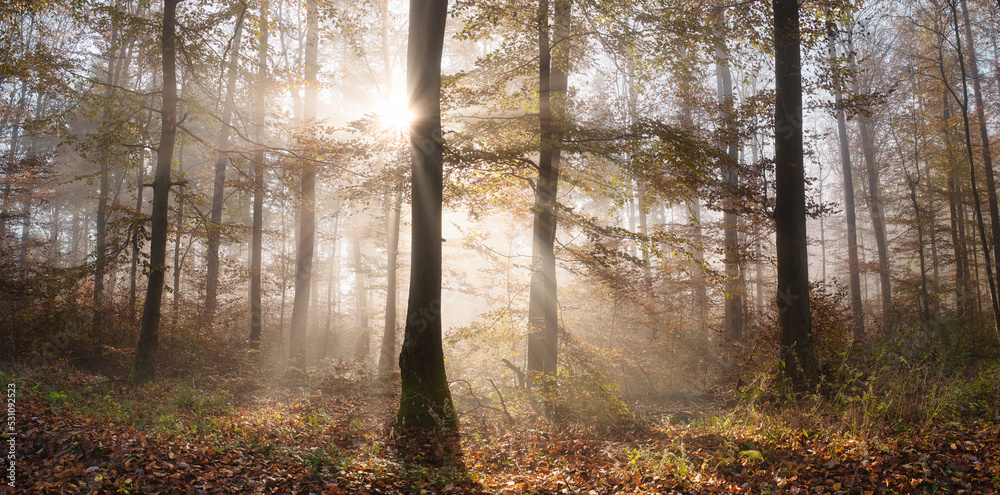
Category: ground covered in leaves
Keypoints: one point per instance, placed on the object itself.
(78, 433)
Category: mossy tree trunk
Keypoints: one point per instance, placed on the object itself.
(425, 400)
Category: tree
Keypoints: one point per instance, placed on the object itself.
(219, 189)
(794, 319)
(142, 370)
(425, 399)
(257, 226)
(857, 316)
(543, 318)
(307, 202)
(735, 289)
(875, 206)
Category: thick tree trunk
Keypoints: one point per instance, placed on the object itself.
(425, 400)
(219, 190)
(847, 170)
(257, 241)
(543, 324)
(794, 317)
(307, 204)
(142, 370)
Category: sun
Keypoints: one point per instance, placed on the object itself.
(394, 116)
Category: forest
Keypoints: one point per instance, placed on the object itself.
(499, 246)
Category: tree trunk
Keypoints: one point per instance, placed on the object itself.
(735, 321)
(256, 249)
(925, 307)
(219, 191)
(307, 204)
(142, 370)
(984, 139)
(134, 269)
(964, 107)
(543, 324)
(385, 361)
(425, 400)
(874, 195)
(388, 351)
(363, 342)
(847, 170)
(794, 317)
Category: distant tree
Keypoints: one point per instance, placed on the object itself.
(257, 227)
(219, 189)
(425, 399)
(142, 370)
(799, 364)
(307, 202)
(847, 170)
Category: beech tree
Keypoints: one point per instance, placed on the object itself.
(794, 318)
(425, 399)
(143, 368)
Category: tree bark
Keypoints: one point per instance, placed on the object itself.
(257, 241)
(875, 208)
(847, 170)
(142, 370)
(984, 139)
(735, 308)
(964, 107)
(307, 203)
(363, 342)
(794, 318)
(219, 190)
(425, 400)
(543, 337)
(385, 361)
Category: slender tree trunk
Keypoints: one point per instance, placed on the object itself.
(794, 317)
(256, 249)
(388, 351)
(385, 362)
(543, 337)
(984, 139)
(219, 190)
(307, 204)
(847, 170)
(963, 307)
(363, 342)
(735, 307)
(425, 400)
(964, 107)
(134, 269)
(142, 370)
(333, 289)
(875, 208)
(100, 263)
(925, 307)
(178, 222)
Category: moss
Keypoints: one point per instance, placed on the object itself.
(426, 405)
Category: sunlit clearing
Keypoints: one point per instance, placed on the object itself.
(394, 116)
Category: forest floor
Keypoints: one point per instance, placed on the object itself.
(82, 433)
